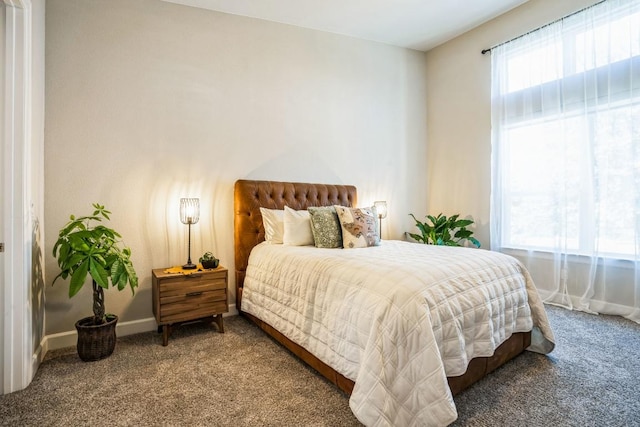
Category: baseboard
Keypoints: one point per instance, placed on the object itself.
(70, 338)
(233, 311)
(38, 357)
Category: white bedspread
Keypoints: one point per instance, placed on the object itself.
(397, 319)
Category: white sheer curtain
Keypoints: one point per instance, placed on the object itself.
(566, 157)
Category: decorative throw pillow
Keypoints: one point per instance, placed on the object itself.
(359, 227)
(297, 228)
(325, 226)
(273, 221)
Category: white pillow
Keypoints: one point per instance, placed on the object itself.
(273, 221)
(297, 228)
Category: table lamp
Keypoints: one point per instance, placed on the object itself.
(381, 209)
(189, 214)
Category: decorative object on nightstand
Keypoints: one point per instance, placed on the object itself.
(189, 214)
(208, 260)
(440, 230)
(85, 249)
(381, 209)
(181, 296)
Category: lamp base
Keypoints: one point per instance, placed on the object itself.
(189, 266)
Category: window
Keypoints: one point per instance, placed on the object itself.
(566, 135)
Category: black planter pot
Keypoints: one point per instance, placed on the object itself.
(96, 342)
(210, 264)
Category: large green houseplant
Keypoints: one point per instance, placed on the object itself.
(86, 247)
(443, 230)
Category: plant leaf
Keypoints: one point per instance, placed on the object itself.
(418, 237)
(133, 277)
(117, 270)
(462, 223)
(463, 233)
(78, 278)
(98, 273)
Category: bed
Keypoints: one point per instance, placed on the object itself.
(378, 397)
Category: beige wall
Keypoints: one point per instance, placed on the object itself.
(36, 171)
(459, 110)
(3, 41)
(149, 101)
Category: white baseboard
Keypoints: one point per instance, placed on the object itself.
(37, 358)
(70, 338)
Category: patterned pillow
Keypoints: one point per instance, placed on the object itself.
(326, 228)
(359, 227)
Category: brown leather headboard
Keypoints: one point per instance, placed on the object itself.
(250, 196)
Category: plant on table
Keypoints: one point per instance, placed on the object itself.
(443, 230)
(208, 260)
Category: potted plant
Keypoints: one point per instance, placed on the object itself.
(86, 247)
(208, 260)
(440, 230)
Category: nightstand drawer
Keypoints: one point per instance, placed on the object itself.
(190, 288)
(193, 283)
(192, 296)
(181, 312)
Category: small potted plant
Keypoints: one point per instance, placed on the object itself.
(208, 260)
(440, 230)
(86, 247)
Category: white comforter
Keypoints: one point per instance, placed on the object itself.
(397, 319)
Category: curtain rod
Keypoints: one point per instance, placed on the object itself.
(484, 51)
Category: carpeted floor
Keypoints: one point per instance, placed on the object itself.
(592, 378)
(243, 378)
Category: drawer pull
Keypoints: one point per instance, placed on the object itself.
(194, 294)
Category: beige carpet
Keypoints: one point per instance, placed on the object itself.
(243, 378)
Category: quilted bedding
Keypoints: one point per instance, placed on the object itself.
(397, 318)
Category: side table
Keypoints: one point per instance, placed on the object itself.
(180, 298)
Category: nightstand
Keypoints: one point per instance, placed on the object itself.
(180, 298)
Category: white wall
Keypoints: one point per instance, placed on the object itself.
(149, 101)
(459, 110)
(2, 210)
(22, 37)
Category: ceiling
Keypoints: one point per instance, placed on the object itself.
(414, 24)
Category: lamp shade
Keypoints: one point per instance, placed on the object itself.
(189, 210)
(381, 208)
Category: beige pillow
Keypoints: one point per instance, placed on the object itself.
(273, 221)
(359, 227)
(297, 228)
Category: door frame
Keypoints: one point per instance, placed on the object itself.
(16, 141)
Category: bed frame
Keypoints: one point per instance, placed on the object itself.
(249, 196)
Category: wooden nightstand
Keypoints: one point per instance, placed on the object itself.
(179, 298)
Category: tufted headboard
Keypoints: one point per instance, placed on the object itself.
(250, 196)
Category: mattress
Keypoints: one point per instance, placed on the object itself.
(397, 319)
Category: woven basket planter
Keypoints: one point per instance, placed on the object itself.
(96, 342)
